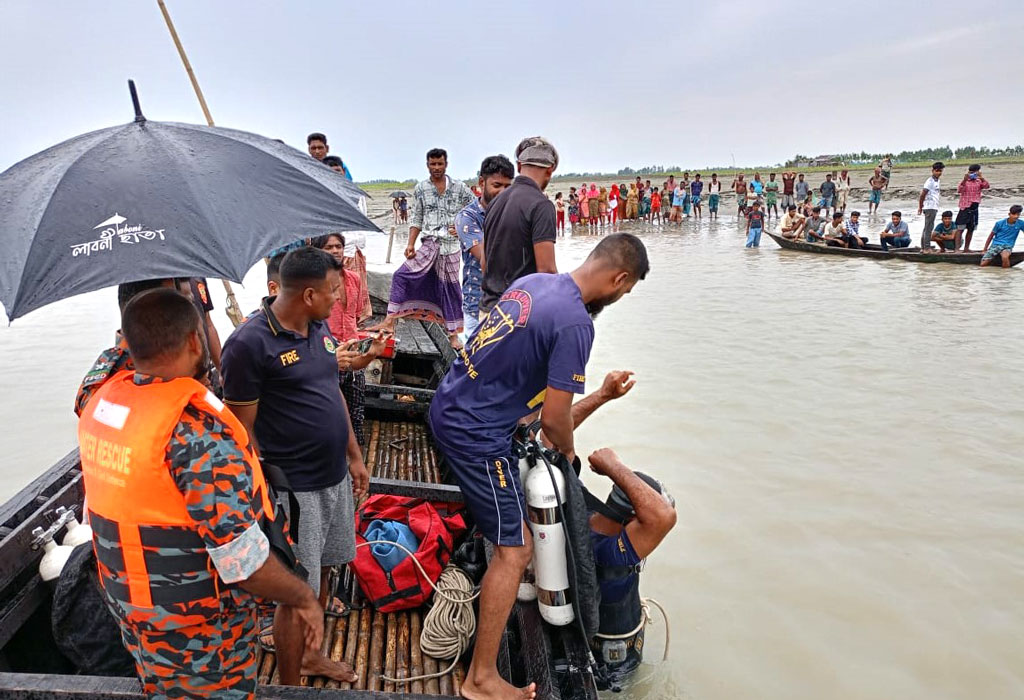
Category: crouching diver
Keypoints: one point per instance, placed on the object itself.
(624, 530)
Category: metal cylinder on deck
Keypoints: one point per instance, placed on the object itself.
(544, 489)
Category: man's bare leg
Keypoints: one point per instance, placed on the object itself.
(497, 595)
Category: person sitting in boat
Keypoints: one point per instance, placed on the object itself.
(946, 233)
(792, 223)
(853, 226)
(896, 233)
(837, 234)
(637, 516)
(1003, 237)
(814, 225)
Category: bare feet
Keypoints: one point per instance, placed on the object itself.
(495, 688)
(316, 664)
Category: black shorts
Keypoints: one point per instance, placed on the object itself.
(493, 495)
(968, 218)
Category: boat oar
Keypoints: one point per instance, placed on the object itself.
(233, 312)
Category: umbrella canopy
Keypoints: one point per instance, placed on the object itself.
(399, 193)
(157, 199)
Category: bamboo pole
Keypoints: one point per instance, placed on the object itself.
(402, 667)
(458, 676)
(233, 312)
(391, 652)
(266, 669)
(415, 654)
(391, 241)
(371, 450)
(376, 662)
(352, 645)
(364, 649)
(338, 647)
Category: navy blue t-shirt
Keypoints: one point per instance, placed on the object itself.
(301, 422)
(611, 552)
(538, 334)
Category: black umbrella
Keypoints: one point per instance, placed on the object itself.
(156, 199)
(399, 193)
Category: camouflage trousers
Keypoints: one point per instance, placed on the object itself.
(216, 659)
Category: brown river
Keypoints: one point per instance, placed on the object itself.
(842, 437)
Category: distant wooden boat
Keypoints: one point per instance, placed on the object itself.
(1016, 258)
(871, 250)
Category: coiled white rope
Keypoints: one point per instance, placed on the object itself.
(450, 624)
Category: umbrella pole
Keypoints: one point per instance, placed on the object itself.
(234, 313)
(391, 240)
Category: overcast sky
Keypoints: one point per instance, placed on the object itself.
(670, 83)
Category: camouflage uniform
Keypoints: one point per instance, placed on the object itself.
(109, 363)
(194, 649)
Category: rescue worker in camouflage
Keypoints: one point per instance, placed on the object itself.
(183, 561)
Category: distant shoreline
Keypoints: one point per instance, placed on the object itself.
(724, 171)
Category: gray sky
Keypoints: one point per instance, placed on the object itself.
(670, 83)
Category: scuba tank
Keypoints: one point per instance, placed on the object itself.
(619, 645)
(78, 533)
(545, 492)
(527, 461)
(55, 556)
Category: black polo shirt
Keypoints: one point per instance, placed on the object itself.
(301, 424)
(517, 218)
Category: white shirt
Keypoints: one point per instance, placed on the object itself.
(931, 199)
(715, 187)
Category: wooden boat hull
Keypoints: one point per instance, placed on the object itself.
(1016, 258)
(871, 251)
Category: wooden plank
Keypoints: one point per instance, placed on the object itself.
(416, 489)
(21, 607)
(43, 485)
(424, 342)
(38, 686)
(536, 651)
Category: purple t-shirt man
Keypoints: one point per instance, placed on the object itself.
(696, 187)
(538, 334)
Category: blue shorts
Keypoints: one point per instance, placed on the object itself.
(493, 495)
(875, 197)
(826, 202)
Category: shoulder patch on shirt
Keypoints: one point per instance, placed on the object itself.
(328, 344)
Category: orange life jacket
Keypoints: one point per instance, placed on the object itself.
(134, 503)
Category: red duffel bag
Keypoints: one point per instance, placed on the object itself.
(436, 526)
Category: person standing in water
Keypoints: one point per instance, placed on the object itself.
(696, 191)
(771, 195)
(714, 196)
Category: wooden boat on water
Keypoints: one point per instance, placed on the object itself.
(958, 258)
(403, 461)
(871, 250)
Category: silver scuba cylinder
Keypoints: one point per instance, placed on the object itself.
(78, 532)
(544, 489)
(55, 556)
(527, 587)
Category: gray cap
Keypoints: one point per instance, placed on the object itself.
(536, 150)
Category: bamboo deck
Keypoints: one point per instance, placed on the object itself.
(387, 644)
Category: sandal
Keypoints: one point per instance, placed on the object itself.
(337, 608)
(266, 638)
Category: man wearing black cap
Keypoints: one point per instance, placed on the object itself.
(637, 515)
(519, 231)
(928, 203)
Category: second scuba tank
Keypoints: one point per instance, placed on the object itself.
(550, 570)
(527, 586)
(78, 533)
